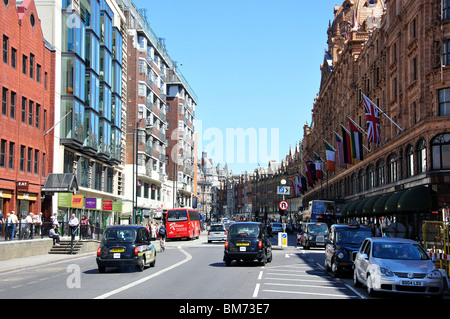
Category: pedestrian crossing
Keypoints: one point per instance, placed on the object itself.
(299, 278)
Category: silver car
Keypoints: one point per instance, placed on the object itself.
(396, 265)
(217, 232)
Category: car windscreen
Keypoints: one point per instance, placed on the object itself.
(404, 251)
(320, 229)
(243, 231)
(352, 236)
(216, 228)
(277, 225)
(178, 215)
(119, 235)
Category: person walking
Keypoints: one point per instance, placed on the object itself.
(162, 234)
(73, 225)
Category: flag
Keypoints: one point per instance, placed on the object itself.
(298, 184)
(294, 187)
(340, 150)
(373, 121)
(347, 146)
(303, 182)
(356, 139)
(309, 174)
(331, 157)
(319, 166)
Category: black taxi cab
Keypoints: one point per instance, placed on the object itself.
(125, 245)
(342, 245)
(248, 241)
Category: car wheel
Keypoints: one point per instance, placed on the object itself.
(356, 282)
(228, 262)
(152, 264)
(263, 260)
(335, 270)
(101, 269)
(141, 265)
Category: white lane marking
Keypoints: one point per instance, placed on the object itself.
(255, 293)
(138, 282)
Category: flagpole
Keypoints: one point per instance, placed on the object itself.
(382, 112)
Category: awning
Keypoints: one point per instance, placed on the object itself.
(378, 207)
(359, 208)
(352, 208)
(57, 183)
(414, 199)
(344, 210)
(368, 206)
(391, 205)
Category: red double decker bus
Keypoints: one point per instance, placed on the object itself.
(183, 223)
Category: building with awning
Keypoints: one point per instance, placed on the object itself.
(404, 178)
(57, 183)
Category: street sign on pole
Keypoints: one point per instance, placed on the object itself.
(283, 190)
(283, 205)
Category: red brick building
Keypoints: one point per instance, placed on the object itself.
(27, 94)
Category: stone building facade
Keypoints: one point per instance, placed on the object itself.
(395, 53)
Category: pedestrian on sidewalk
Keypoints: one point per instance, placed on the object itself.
(53, 233)
(73, 225)
(1, 222)
(9, 226)
(162, 234)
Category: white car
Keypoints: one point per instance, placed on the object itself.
(277, 227)
(396, 265)
(217, 232)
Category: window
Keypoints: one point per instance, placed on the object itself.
(5, 48)
(440, 146)
(22, 158)
(29, 159)
(381, 173)
(446, 10)
(13, 57)
(24, 64)
(43, 164)
(12, 106)
(421, 156)
(36, 162)
(4, 101)
(393, 168)
(444, 102)
(409, 161)
(11, 155)
(37, 118)
(30, 112)
(3, 154)
(24, 110)
(38, 73)
(32, 66)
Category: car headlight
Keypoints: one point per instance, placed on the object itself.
(435, 274)
(311, 237)
(386, 272)
(340, 255)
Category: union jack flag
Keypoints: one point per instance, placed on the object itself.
(373, 121)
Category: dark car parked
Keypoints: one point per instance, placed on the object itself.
(126, 245)
(343, 244)
(248, 241)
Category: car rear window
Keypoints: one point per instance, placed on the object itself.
(122, 235)
(243, 231)
(217, 228)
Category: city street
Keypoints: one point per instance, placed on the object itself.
(186, 270)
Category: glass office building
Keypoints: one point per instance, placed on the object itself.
(90, 104)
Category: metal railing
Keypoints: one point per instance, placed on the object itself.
(27, 231)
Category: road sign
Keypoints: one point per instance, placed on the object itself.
(284, 205)
(283, 190)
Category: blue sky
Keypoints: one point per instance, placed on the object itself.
(255, 67)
